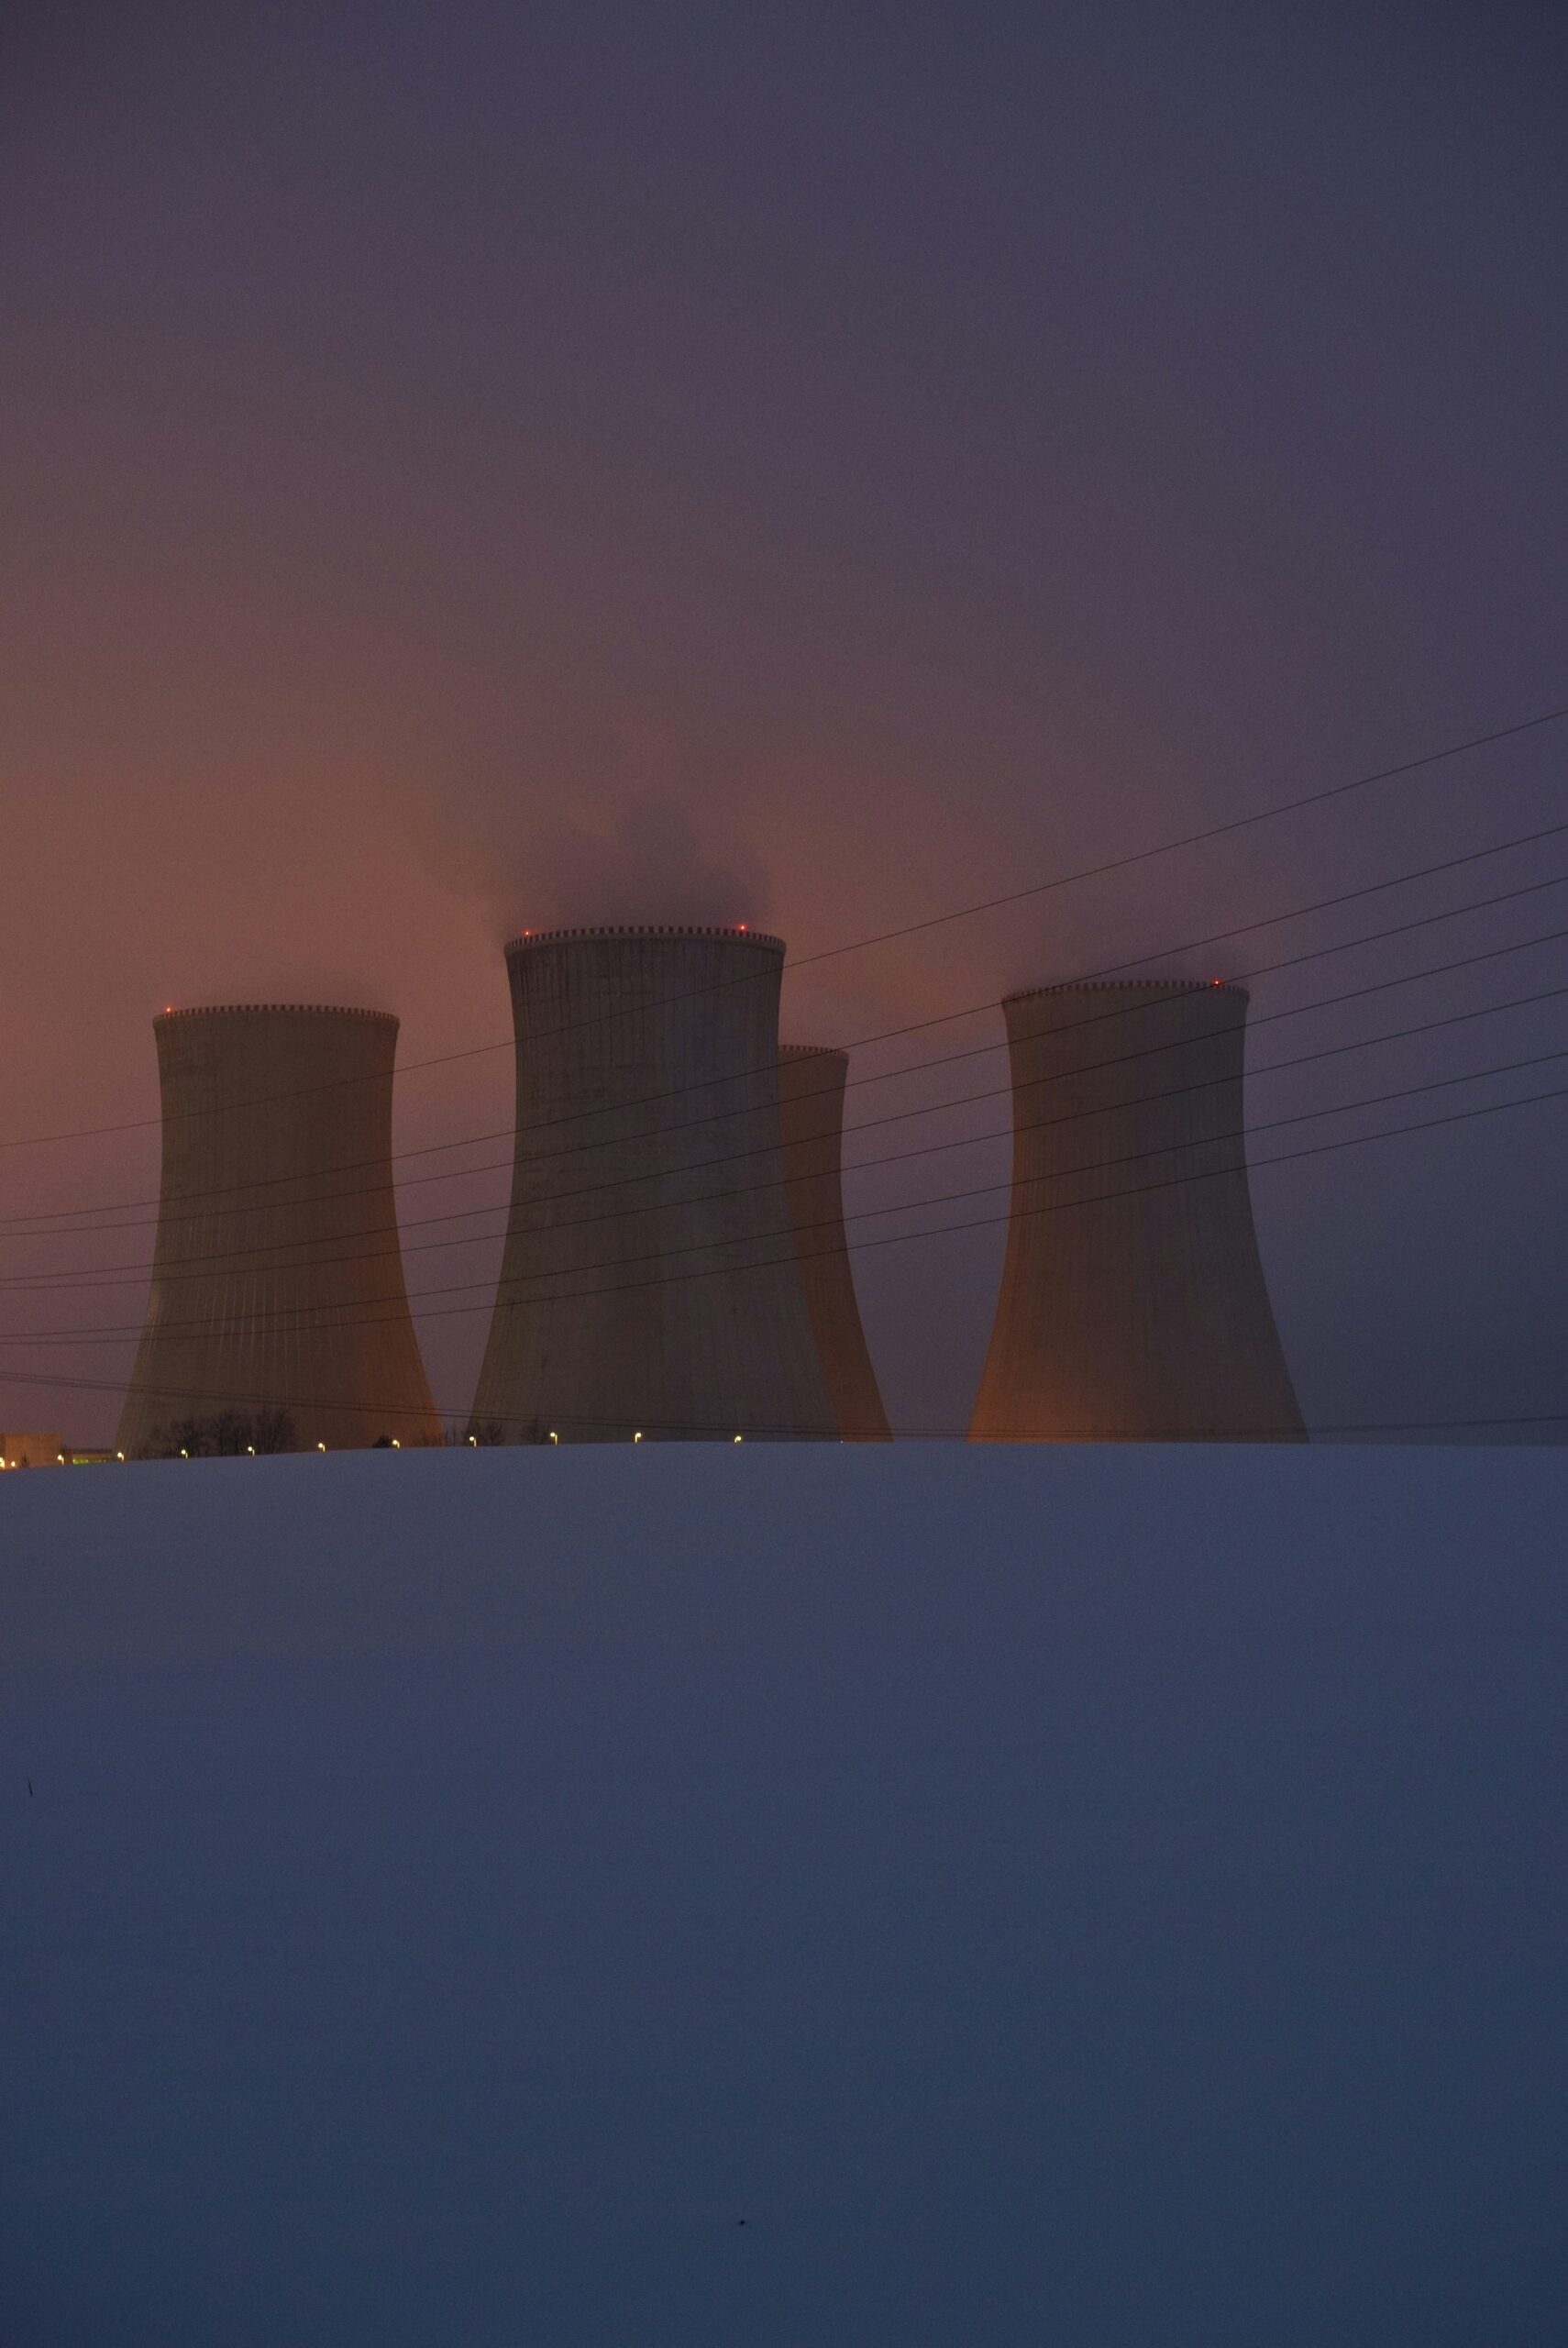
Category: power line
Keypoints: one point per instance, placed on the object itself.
(48, 1285)
(27, 1283)
(130, 1333)
(891, 1034)
(1314, 1149)
(1196, 839)
(1399, 929)
(909, 929)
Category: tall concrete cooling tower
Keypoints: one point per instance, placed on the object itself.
(1133, 1303)
(811, 1120)
(650, 1283)
(277, 1281)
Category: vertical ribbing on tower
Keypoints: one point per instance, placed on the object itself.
(810, 1118)
(1133, 1303)
(277, 1280)
(650, 1282)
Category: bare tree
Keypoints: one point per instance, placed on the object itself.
(225, 1434)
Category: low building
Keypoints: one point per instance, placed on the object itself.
(31, 1451)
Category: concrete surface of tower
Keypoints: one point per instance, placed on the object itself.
(811, 1120)
(277, 1281)
(650, 1284)
(1133, 1303)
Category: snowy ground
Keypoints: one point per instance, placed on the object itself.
(1109, 1897)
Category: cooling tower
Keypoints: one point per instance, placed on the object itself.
(811, 1120)
(277, 1281)
(1133, 1303)
(650, 1282)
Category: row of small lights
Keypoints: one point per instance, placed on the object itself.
(395, 1446)
(60, 1460)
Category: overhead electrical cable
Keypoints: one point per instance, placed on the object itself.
(67, 1215)
(76, 1382)
(300, 1317)
(60, 1229)
(51, 1284)
(26, 1283)
(1123, 862)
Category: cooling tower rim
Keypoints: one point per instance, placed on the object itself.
(814, 1052)
(527, 939)
(1168, 990)
(248, 1010)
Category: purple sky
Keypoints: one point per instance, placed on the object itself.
(463, 468)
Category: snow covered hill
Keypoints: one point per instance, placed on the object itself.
(785, 1897)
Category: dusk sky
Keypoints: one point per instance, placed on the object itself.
(472, 467)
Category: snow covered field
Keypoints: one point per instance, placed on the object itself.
(1109, 1898)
